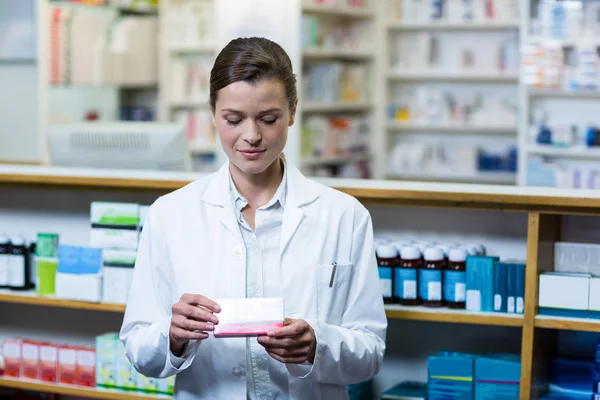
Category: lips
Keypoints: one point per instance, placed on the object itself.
(251, 154)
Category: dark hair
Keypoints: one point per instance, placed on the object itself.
(252, 60)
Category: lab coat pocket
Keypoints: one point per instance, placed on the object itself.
(332, 290)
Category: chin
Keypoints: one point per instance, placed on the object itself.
(252, 167)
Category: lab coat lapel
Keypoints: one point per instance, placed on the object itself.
(217, 194)
(300, 192)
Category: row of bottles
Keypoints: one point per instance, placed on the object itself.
(16, 263)
(424, 274)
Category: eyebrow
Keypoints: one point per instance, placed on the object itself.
(231, 110)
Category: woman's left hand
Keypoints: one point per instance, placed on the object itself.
(294, 343)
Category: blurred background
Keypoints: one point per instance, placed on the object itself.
(478, 91)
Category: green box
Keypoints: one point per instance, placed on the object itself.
(106, 360)
(166, 386)
(45, 270)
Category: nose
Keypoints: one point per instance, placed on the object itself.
(252, 134)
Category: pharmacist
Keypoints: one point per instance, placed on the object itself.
(256, 228)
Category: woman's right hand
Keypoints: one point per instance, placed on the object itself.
(193, 317)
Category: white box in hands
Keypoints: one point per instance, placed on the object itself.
(248, 317)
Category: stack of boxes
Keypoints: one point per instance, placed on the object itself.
(79, 274)
(494, 286)
(49, 362)
(115, 228)
(573, 289)
(466, 376)
(114, 371)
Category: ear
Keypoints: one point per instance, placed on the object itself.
(293, 112)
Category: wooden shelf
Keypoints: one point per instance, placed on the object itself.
(321, 161)
(369, 191)
(33, 299)
(497, 178)
(203, 149)
(189, 104)
(453, 128)
(567, 323)
(335, 107)
(564, 93)
(325, 54)
(421, 313)
(347, 12)
(453, 26)
(576, 152)
(72, 390)
(467, 76)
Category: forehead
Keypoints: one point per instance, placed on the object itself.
(244, 96)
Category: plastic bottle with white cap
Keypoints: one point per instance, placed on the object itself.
(406, 277)
(431, 278)
(4, 257)
(455, 279)
(387, 260)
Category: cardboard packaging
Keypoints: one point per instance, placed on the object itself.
(11, 351)
(249, 317)
(48, 362)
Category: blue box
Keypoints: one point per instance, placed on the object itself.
(480, 283)
(500, 287)
(574, 375)
(497, 376)
(79, 260)
(450, 375)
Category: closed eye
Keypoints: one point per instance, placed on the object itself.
(233, 122)
(269, 121)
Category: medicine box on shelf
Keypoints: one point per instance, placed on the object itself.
(564, 294)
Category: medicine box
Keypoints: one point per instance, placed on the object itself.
(106, 356)
(117, 271)
(126, 374)
(85, 374)
(577, 257)
(114, 225)
(146, 384)
(594, 300)
(249, 317)
(564, 294)
(450, 375)
(79, 273)
(500, 287)
(30, 360)
(11, 352)
(67, 364)
(497, 376)
(480, 283)
(166, 386)
(48, 362)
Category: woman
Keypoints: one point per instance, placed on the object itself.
(256, 228)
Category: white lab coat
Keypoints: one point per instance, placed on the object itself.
(191, 243)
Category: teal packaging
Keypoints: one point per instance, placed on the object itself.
(511, 293)
(480, 283)
(497, 376)
(500, 286)
(520, 288)
(450, 375)
(404, 390)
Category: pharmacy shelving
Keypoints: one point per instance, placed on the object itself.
(567, 323)
(73, 390)
(563, 93)
(459, 76)
(421, 313)
(397, 76)
(453, 26)
(351, 50)
(335, 108)
(498, 178)
(194, 112)
(581, 153)
(452, 128)
(345, 55)
(342, 12)
(541, 208)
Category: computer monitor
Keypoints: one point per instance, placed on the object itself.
(120, 145)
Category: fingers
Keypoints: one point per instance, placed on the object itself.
(194, 313)
(191, 325)
(286, 342)
(182, 335)
(202, 301)
(293, 328)
(290, 353)
(288, 360)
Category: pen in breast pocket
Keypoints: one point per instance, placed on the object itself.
(334, 265)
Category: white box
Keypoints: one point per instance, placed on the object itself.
(248, 317)
(117, 271)
(114, 225)
(82, 287)
(564, 291)
(594, 302)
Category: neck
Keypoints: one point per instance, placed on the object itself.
(260, 188)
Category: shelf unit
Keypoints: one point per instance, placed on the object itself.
(401, 78)
(193, 113)
(72, 390)
(363, 55)
(543, 208)
(557, 152)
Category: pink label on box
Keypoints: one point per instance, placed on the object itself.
(246, 328)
